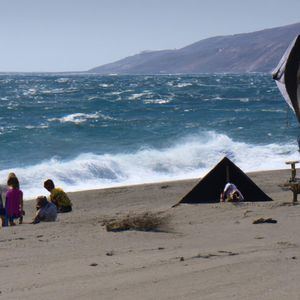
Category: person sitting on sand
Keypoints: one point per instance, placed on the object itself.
(45, 210)
(14, 201)
(13, 175)
(231, 193)
(58, 197)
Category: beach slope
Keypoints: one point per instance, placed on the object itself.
(207, 251)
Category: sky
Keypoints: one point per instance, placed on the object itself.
(76, 35)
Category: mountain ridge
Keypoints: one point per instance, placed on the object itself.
(257, 51)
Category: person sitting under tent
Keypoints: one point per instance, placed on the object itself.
(231, 193)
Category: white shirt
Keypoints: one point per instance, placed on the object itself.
(231, 188)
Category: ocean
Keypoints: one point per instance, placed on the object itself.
(90, 131)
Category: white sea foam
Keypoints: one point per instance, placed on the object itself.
(62, 80)
(116, 93)
(59, 91)
(183, 84)
(217, 98)
(78, 118)
(136, 96)
(274, 110)
(244, 100)
(41, 126)
(30, 92)
(93, 98)
(189, 158)
(105, 85)
(140, 95)
(157, 101)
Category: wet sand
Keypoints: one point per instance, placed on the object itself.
(208, 251)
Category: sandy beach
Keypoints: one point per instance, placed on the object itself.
(207, 251)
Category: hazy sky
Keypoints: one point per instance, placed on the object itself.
(76, 35)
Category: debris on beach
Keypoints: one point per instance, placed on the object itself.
(141, 222)
(209, 255)
(93, 264)
(264, 220)
(164, 186)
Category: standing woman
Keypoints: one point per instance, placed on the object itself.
(14, 200)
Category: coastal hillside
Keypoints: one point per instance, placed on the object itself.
(257, 51)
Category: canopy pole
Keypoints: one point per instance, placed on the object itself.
(227, 174)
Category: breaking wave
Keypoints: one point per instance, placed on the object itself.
(190, 157)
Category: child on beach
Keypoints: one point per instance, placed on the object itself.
(58, 197)
(46, 211)
(13, 175)
(14, 200)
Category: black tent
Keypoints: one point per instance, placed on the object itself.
(287, 76)
(208, 190)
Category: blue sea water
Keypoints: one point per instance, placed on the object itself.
(90, 131)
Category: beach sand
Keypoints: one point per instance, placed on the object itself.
(208, 251)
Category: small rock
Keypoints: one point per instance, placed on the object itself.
(93, 264)
(181, 258)
(109, 253)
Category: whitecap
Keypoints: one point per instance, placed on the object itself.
(78, 118)
(157, 101)
(217, 98)
(183, 84)
(41, 126)
(30, 92)
(244, 100)
(274, 110)
(93, 98)
(138, 95)
(59, 91)
(62, 80)
(105, 85)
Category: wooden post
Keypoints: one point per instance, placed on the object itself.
(293, 169)
(294, 184)
(295, 197)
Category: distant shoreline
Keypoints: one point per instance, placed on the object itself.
(130, 74)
